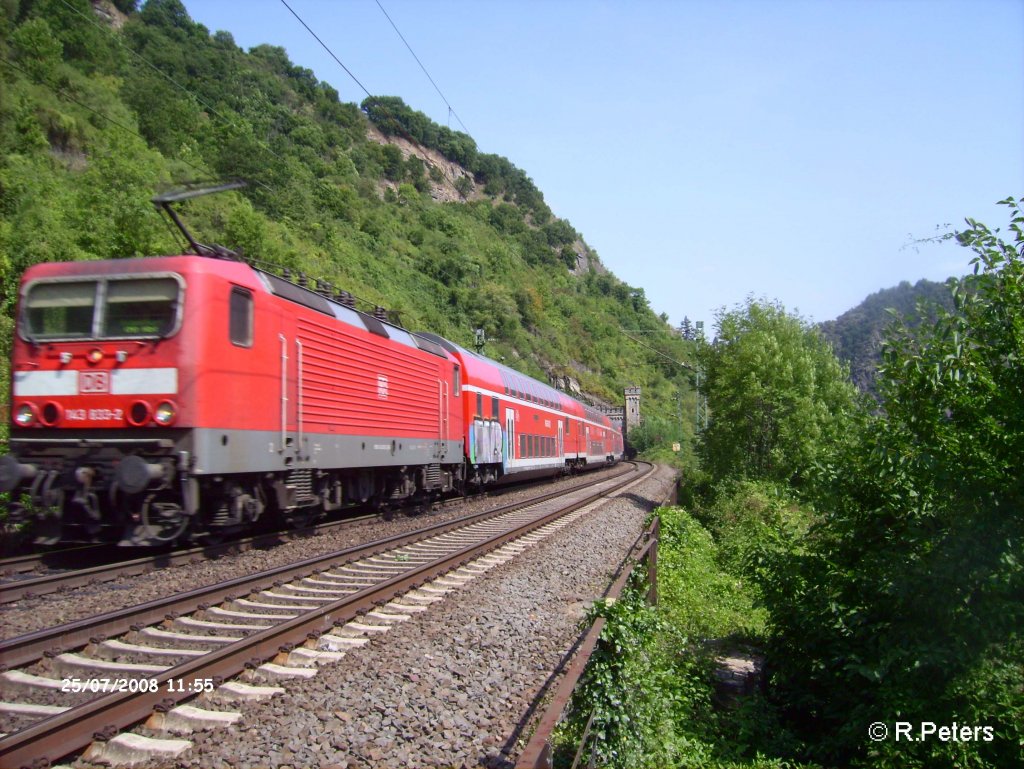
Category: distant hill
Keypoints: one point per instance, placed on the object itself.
(856, 335)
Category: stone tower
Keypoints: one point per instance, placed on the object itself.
(632, 408)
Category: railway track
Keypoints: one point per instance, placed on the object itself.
(17, 582)
(17, 585)
(27, 562)
(276, 624)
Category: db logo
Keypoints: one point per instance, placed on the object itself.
(93, 381)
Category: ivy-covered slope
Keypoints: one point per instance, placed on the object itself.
(98, 111)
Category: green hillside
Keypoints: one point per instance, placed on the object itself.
(99, 111)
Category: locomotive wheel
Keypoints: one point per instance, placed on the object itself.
(163, 522)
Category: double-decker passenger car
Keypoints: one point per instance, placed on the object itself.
(516, 425)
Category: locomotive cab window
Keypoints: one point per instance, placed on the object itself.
(140, 307)
(60, 310)
(240, 317)
(129, 307)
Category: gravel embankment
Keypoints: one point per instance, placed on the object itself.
(454, 685)
(50, 610)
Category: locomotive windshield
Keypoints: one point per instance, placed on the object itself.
(103, 308)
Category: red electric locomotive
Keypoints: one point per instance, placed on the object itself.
(161, 394)
(175, 397)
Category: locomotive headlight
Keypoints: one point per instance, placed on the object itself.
(25, 415)
(51, 414)
(165, 413)
(138, 414)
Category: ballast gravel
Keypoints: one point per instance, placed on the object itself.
(46, 611)
(455, 685)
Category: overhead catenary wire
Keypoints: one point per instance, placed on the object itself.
(326, 48)
(451, 110)
(405, 134)
(205, 104)
(658, 352)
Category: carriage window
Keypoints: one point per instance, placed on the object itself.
(479, 404)
(494, 408)
(240, 317)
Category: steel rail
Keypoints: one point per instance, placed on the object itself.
(19, 564)
(17, 589)
(12, 590)
(56, 736)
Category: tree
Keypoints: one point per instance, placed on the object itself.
(686, 329)
(90, 46)
(776, 395)
(392, 160)
(905, 602)
(37, 49)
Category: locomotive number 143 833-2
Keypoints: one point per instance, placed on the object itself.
(94, 415)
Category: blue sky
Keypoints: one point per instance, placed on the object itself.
(790, 149)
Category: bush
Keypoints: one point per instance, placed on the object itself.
(906, 597)
(650, 684)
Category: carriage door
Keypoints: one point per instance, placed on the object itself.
(510, 437)
(443, 417)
